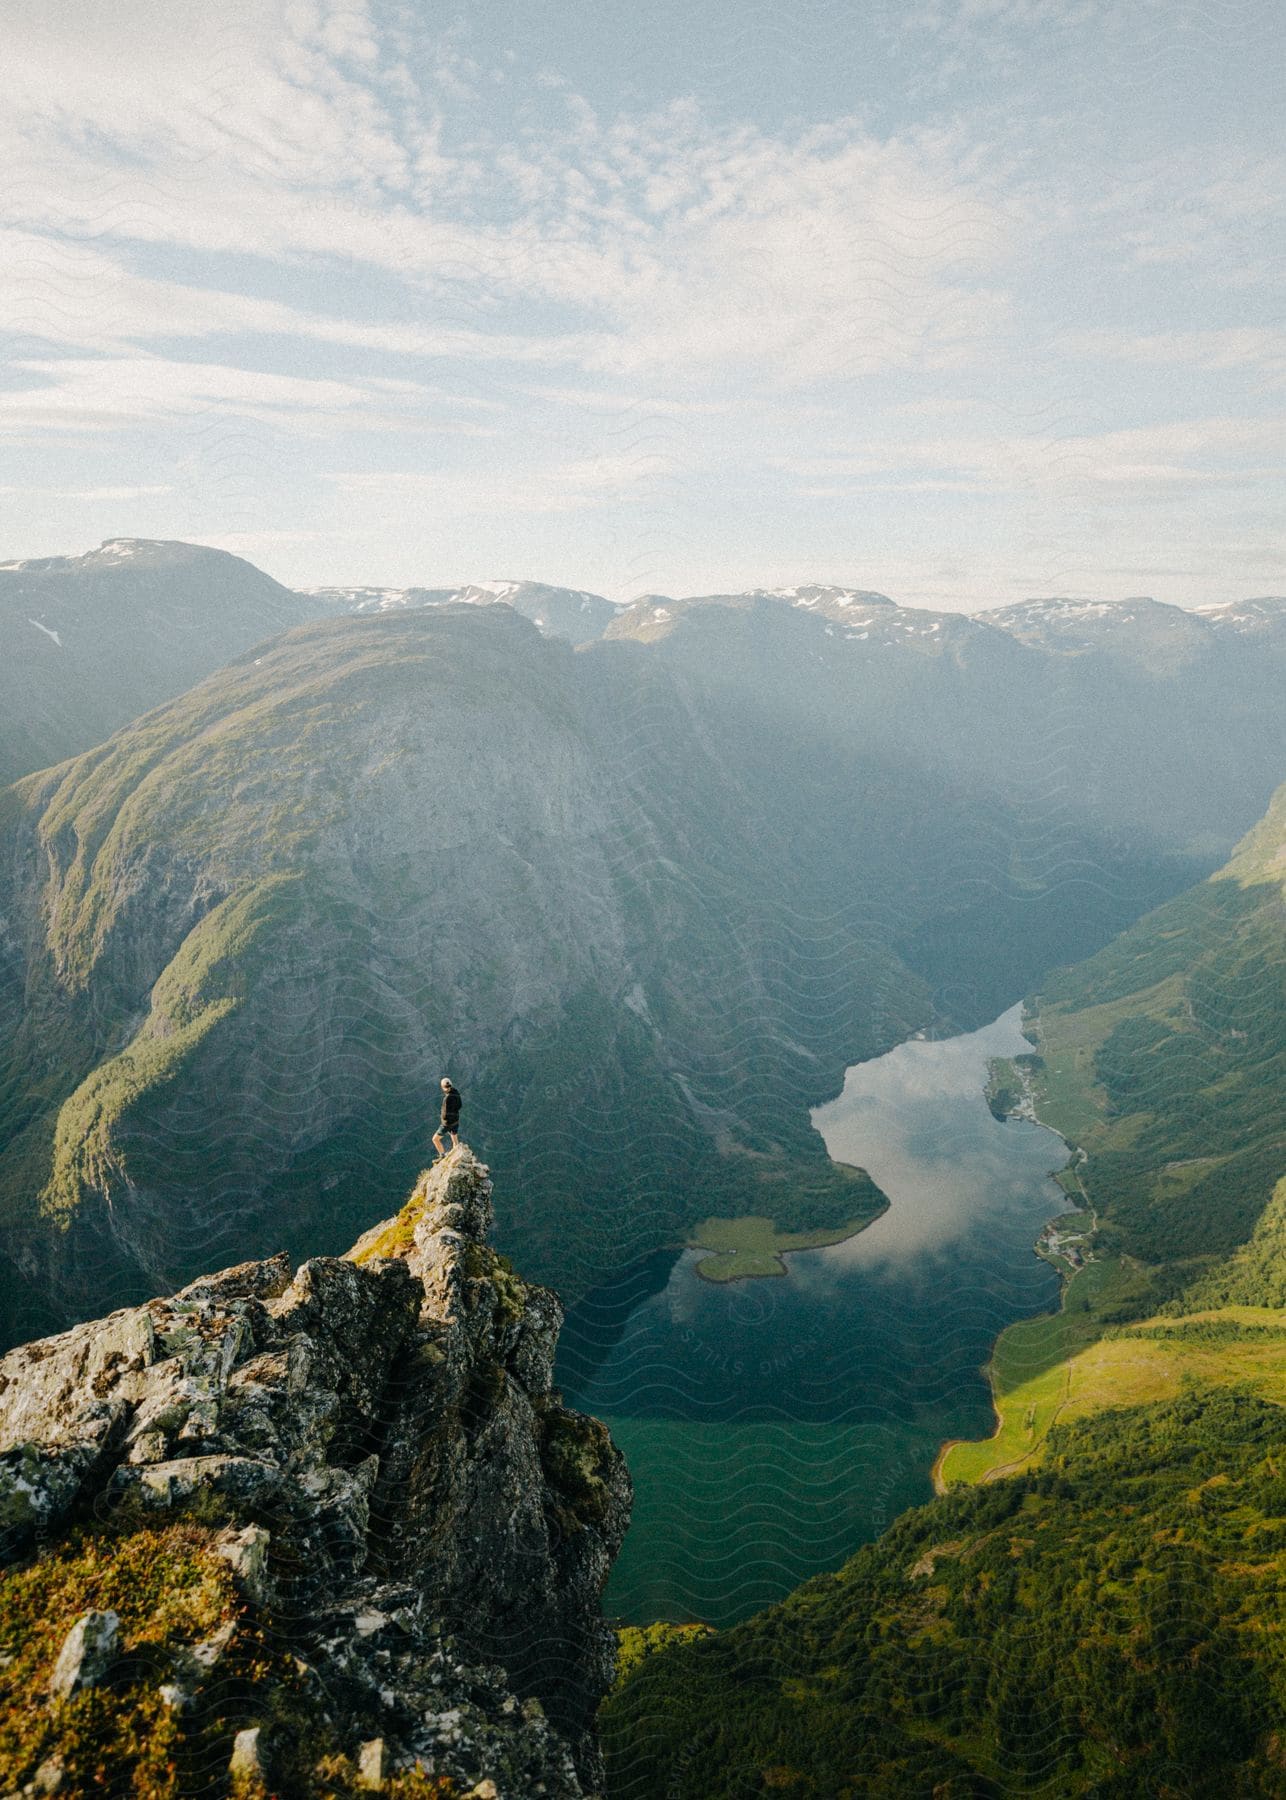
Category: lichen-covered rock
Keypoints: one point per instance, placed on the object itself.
(409, 1532)
(88, 1651)
(247, 1757)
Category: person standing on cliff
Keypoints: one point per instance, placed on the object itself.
(450, 1117)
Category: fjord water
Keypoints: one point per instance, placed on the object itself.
(774, 1425)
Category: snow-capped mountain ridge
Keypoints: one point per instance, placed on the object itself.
(1242, 616)
(843, 614)
(150, 553)
(574, 613)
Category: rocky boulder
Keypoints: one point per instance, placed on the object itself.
(327, 1531)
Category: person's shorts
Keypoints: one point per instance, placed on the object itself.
(451, 1125)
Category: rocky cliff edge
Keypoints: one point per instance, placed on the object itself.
(310, 1534)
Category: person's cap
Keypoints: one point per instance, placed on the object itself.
(446, 1081)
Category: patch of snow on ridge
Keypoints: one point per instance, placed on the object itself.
(362, 599)
(1244, 615)
(500, 589)
(817, 594)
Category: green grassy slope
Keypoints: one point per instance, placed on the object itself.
(1165, 1060)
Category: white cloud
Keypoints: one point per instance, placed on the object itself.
(1260, 349)
(97, 493)
(324, 219)
(1217, 212)
(666, 247)
(570, 486)
(82, 394)
(1184, 452)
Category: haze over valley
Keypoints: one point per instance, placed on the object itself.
(642, 901)
(696, 866)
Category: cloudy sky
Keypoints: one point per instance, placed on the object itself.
(964, 300)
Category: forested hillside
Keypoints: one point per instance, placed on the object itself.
(1101, 1615)
(1164, 1058)
(1105, 1626)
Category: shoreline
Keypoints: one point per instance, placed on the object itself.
(1048, 1247)
(768, 1246)
(749, 1247)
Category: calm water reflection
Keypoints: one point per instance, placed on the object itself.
(774, 1425)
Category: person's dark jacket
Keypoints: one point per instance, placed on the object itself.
(451, 1108)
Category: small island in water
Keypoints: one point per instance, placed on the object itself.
(754, 1245)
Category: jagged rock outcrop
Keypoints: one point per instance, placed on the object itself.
(391, 1535)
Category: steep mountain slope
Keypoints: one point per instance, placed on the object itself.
(1164, 1059)
(643, 922)
(1075, 850)
(244, 939)
(1149, 634)
(1145, 633)
(326, 1529)
(89, 642)
(1258, 618)
(559, 612)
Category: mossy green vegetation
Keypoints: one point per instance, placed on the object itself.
(339, 1777)
(196, 1664)
(574, 1452)
(170, 1593)
(635, 1643)
(1107, 1625)
(397, 1236)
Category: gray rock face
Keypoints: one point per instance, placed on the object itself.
(407, 1499)
(87, 1653)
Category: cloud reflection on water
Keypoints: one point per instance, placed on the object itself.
(917, 1121)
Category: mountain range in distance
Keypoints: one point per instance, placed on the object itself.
(648, 895)
(89, 642)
